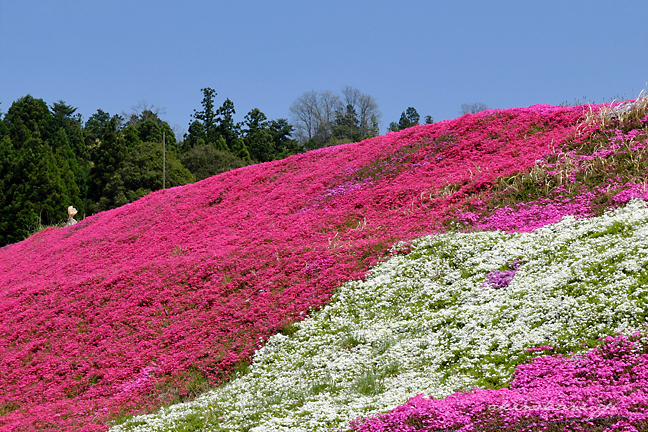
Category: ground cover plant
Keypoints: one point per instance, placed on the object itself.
(460, 310)
(603, 389)
(582, 177)
(158, 300)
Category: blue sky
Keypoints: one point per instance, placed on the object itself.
(431, 55)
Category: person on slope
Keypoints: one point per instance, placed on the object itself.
(71, 212)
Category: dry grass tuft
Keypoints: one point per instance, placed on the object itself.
(618, 113)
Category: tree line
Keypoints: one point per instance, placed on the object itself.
(324, 118)
(50, 158)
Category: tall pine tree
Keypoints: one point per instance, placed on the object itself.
(108, 152)
(38, 180)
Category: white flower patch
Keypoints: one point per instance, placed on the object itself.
(427, 323)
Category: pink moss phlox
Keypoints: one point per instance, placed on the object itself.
(533, 214)
(630, 191)
(609, 381)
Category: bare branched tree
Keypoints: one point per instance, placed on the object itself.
(366, 108)
(314, 114)
(472, 108)
(329, 104)
(305, 113)
(142, 112)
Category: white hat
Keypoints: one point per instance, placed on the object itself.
(72, 211)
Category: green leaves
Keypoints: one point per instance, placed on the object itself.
(141, 173)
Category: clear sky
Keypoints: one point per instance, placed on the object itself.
(428, 54)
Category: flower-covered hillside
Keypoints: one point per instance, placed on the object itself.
(153, 301)
(461, 310)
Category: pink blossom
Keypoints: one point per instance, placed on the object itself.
(607, 382)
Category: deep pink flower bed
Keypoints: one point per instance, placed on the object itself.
(130, 307)
(607, 384)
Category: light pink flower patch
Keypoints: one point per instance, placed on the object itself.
(607, 382)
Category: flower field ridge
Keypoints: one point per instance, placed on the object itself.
(162, 299)
(431, 323)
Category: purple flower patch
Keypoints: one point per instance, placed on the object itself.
(501, 278)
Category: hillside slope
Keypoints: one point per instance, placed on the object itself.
(147, 303)
(461, 310)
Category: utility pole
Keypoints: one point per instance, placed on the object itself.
(163, 160)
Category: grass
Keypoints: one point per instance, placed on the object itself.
(603, 160)
(619, 114)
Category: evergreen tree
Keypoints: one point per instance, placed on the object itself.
(131, 136)
(42, 195)
(141, 173)
(284, 145)
(37, 169)
(241, 151)
(195, 136)
(27, 117)
(258, 138)
(7, 158)
(107, 153)
(150, 131)
(226, 127)
(408, 118)
(347, 126)
(205, 125)
(95, 126)
(74, 172)
(205, 161)
(3, 128)
(148, 126)
(268, 140)
(221, 145)
(67, 138)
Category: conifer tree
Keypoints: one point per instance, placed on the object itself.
(205, 161)
(227, 128)
(7, 158)
(27, 117)
(37, 170)
(65, 134)
(108, 153)
(258, 138)
(141, 173)
(205, 125)
(284, 145)
(42, 195)
(240, 150)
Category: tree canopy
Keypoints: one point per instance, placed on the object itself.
(472, 108)
(255, 140)
(51, 159)
(410, 117)
(325, 118)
